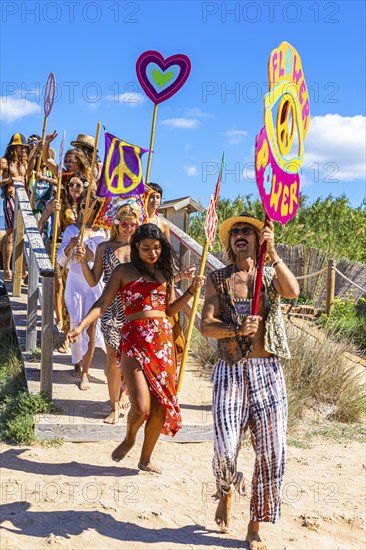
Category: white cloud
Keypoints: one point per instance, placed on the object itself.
(336, 145)
(195, 112)
(12, 109)
(187, 123)
(190, 171)
(187, 147)
(236, 136)
(131, 99)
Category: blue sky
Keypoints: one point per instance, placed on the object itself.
(92, 47)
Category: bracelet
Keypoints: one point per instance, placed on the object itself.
(189, 292)
(279, 261)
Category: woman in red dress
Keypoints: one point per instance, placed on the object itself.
(148, 355)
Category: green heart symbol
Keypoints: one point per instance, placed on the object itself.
(161, 78)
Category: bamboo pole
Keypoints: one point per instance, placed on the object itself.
(56, 221)
(152, 139)
(38, 165)
(90, 179)
(193, 316)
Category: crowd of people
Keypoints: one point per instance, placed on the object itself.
(116, 290)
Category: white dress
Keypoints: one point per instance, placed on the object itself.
(79, 296)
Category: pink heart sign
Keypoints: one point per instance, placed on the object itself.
(161, 78)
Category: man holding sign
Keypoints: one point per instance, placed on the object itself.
(248, 385)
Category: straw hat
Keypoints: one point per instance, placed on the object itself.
(84, 140)
(18, 139)
(244, 217)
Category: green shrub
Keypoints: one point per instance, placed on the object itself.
(344, 322)
(17, 406)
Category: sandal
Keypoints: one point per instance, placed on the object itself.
(65, 347)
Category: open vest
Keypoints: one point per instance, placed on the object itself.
(234, 349)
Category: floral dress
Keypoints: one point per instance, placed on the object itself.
(150, 342)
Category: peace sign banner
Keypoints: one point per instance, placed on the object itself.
(279, 151)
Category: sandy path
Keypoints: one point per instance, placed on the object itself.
(76, 497)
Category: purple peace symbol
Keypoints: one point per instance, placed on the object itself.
(49, 94)
(161, 78)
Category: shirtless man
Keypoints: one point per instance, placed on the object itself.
(13, 166)
(248, 386)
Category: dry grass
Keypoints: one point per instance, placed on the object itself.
(317, 375)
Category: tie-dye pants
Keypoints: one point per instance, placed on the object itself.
(251, 394)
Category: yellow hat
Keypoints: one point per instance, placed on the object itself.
(244, 217)
(18, 139)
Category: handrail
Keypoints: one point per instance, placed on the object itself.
(349, 280)
(39, 265)
(193, 246)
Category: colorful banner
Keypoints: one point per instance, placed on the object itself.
(122, 169)
(108, 211)
(279, 151)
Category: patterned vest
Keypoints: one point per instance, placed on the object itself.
(232, 350)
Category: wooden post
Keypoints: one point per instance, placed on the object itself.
(47, 335)
(32, 305)
(330, 287)
(18, 249)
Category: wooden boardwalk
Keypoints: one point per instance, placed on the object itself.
(82, 412)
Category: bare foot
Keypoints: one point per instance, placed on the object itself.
(120, 452)
(77, 370)
(84, 383)
(7, 276)
(222, 515)
(124, 401)
(113, 417)
(255, 542)
(149, 467)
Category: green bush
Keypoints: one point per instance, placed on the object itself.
(17, 406)
(344, 322)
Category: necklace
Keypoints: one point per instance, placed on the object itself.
(242, 307)
(247, 274)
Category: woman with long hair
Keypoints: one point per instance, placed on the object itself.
(79, 296)
(68, 208)
(148, 357)
(108, 256)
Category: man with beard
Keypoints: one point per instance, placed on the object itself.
(248, 386)
(13, 168)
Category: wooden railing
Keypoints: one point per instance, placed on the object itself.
(212, 263)
(28, 242)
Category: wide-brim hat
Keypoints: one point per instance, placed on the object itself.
(84, 140)
(244, 217)
(18, 139)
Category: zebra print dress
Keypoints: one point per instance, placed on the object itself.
(113, 319)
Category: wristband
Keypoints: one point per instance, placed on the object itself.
(279, 261)
(189, 291)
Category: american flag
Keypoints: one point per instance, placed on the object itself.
(211, 217)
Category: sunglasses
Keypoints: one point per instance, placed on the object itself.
(75, 186)
(127, 224)
(243, 230)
